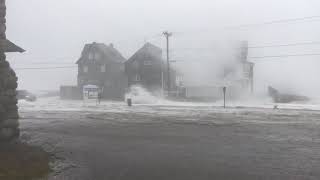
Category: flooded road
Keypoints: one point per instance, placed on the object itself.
(176, 142)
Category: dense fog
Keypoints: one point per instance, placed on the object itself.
(54, 32)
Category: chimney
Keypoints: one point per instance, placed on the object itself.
(111, 45)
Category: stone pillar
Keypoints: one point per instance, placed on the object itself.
(9, 125)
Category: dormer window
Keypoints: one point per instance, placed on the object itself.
(94, 56)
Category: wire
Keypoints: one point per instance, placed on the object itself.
(254, 47)
(23, 57)
(280, 56)
(281, 21)
(286, 45)
(174, 61)
(256, 57)
(153, 37)
(46, 68)
(48, 63)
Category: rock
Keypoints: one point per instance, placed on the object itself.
(12, 107)
(8, 83)
(3, 64)
(9, 133)
(10, 123)
(8, 103)
(6, 100)
(285, 98)
(13, 115)
(12, 83)
(10, 92)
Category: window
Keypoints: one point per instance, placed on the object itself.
(147, 63)
(85, 69)
(179, 80)
(97, 56)
(90, 56)
(122, 68)
(246, 67)
(94, 56)
(103, 68)
(138, 77)
(135, 65)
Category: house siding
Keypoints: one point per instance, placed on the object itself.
(112, 81)
(147, 63)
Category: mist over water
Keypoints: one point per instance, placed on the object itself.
(203, 36)
(140, 95)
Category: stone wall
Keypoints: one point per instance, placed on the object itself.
(9, 125)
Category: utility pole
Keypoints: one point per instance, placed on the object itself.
(168, 35)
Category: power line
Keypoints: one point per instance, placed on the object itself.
(281, 56)
(46, 68)
(254, 57)
(48, 63)
(22, 57)
(256, 46)
(281, 21)
(175, 61)
(153, 37)
(286, 45)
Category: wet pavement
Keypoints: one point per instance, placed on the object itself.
(176, 142)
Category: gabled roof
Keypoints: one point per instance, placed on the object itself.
(109, 52)
(9, 46)
(147, 48)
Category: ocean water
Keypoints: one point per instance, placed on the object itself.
(150, 101)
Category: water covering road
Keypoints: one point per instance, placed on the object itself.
(176, 141)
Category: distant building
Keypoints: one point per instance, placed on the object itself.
(246, 68)
(237, 75)
(103, 66)
(148, 69)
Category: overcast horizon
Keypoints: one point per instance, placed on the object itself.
(54, 32)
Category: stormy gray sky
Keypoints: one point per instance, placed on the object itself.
(54, 31)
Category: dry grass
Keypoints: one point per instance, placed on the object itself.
(21, 161)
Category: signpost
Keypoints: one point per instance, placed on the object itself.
(224, 96)
(91, 92)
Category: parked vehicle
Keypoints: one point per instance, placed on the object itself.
(26, 95)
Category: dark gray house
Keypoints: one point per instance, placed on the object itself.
(147, 68)
(103, 65)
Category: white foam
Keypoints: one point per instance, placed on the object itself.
(142, 99)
